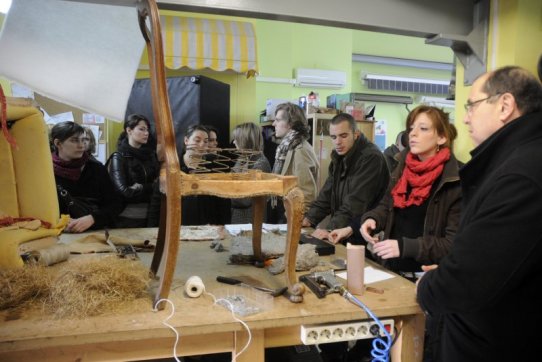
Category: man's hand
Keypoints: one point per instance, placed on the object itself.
(367, 228)
(320, 234)
(306, 223)
(79, 225)
(425, 268)
(387, 249)
(339, 234)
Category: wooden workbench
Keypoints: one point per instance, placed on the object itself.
(204, 327)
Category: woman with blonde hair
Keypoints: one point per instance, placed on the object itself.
(247, 137)
(89, 141)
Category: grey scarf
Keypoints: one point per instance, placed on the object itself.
(289, 142)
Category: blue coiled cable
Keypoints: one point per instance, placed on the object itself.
(381, 348)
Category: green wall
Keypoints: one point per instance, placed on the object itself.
(397, 46)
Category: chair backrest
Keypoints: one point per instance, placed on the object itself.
(27, 181)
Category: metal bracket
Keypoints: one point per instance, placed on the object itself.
(471, 50)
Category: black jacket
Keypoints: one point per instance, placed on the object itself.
(95, 184)
(488, 287)
(441, 218)
(353, 186)
(129, 166)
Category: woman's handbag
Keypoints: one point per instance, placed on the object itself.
(76, 206)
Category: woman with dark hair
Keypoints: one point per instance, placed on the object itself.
(213, 136)
(133, 170)
(294, 155)
(196, 141)
(247, 136)
(84, 189)
(202, 209)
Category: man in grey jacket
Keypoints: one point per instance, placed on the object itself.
(358, 177)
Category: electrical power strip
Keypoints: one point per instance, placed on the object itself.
(338, 332)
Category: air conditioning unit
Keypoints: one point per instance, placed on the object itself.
(318, 78)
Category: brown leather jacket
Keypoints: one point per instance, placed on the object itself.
(441, 220)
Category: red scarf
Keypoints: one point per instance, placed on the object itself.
(69, 169)
(420, 175)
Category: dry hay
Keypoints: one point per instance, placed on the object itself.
(97, 286)
(76, 289)
(19, 287)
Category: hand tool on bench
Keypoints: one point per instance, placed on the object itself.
(232, 281)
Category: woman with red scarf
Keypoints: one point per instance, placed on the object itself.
(419, 214)
(416, 221)
(85, 191)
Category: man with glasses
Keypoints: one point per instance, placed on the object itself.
(487, 288)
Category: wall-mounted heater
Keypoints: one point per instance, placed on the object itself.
(405, 84)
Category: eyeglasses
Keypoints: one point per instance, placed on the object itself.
(469, 105)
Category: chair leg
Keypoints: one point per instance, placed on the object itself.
(258, 207)
(171, 249)
(161, 238)
(293, 204)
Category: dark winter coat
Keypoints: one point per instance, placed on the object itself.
(94, 186)
(488, 287)
(355, 184)
(441, 219)
(128, 166)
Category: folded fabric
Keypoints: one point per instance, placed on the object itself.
(11, 238)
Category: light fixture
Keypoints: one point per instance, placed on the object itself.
(437, 102)
(401, 62)
(406, 79)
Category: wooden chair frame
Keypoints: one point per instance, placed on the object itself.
(178, 184)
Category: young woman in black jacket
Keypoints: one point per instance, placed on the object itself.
(133, 170)
(84, 190)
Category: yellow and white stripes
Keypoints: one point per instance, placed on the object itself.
(205, 43)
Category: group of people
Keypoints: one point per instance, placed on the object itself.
(96, 196)
(465, 233)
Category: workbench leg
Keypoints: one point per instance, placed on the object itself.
(409, 345)
(256, 349)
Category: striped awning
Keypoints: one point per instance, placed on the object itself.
(206, 43)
